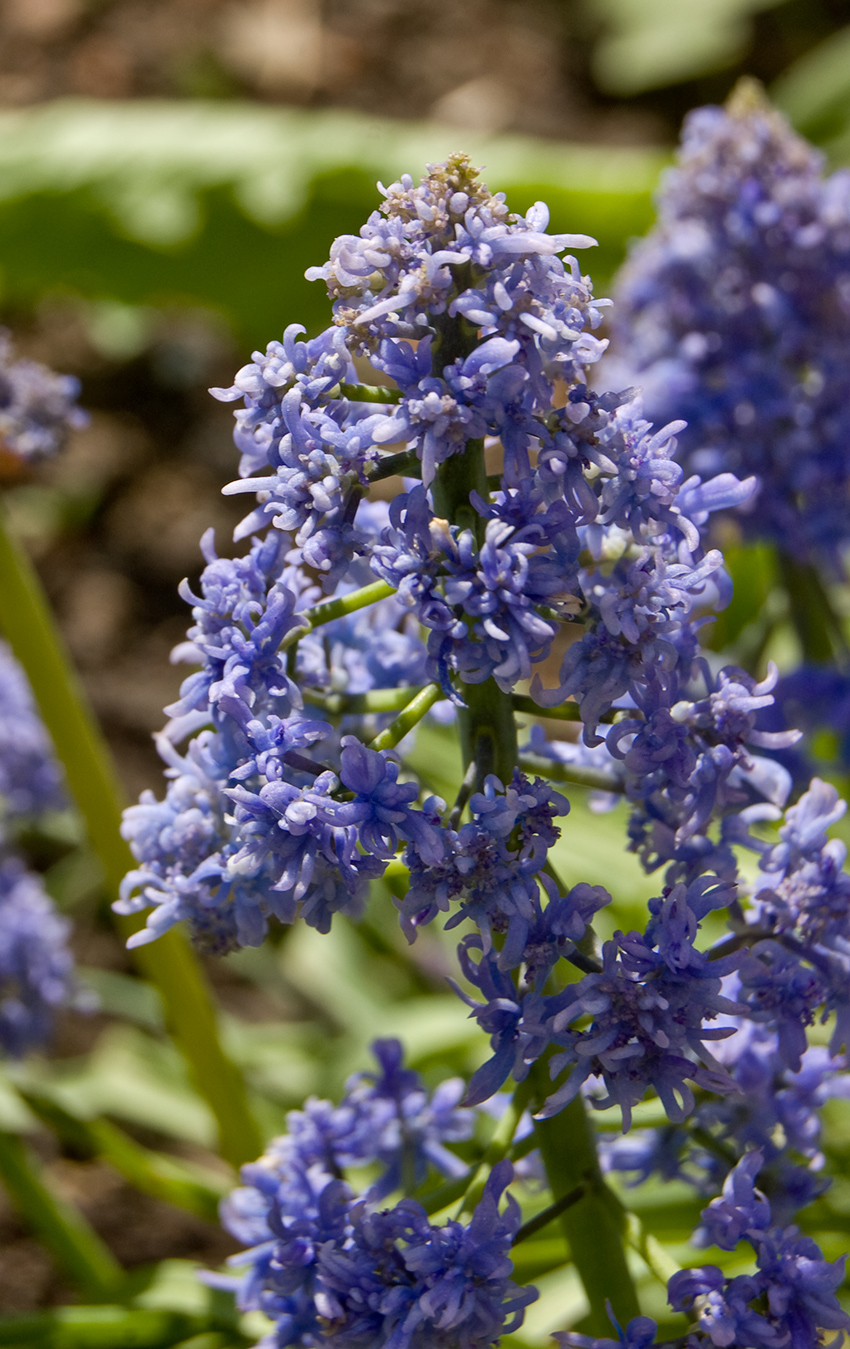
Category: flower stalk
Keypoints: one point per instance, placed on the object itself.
(27, 623)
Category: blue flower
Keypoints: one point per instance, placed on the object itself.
(37, 407)
(36, 964)
(732, 315)
(742, 1209)
(322, 1264)
(403, 1282)
(31, 780)
(413, 1132)
(514, 1021)
(790, 1298)
(638, 1334)
(647, 1010)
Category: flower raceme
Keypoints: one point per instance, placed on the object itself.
(345, 621)
(734, 314)
(253, 825)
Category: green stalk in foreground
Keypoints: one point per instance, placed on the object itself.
(593, 1224)
(73, 1243)
(169, 963)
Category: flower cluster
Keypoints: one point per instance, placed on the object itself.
(531, 514)
(636, 1023)
(331, 1267)
(734, 313)
(768, 1107)
(36, 964)
(798, 962)
(252, 824)
(474, 317)
(789, 1299)
(30, 777)
(492, 865)
(688, 762)
(38, 408)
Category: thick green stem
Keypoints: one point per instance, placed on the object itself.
(405, 464)
(73, 1243)
(169, 963)
(595, 1224)
(487, 727)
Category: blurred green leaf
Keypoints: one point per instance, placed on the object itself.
(815, 91)
(194, 1188)
(224, 205)
(754, 575)
(436, 760)
(74, 878)
(107, 1327)
(128, 1075)
(592, 848)
(65, 1232)
(122, 995)
(15, 1115)
(648, 44)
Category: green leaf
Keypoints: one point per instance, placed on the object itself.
(814, 91)
(123, 996)
(127, 1075)
(62, 1228)
(648, 44)
(194, 1188)
(106, 1327)
(149, 203)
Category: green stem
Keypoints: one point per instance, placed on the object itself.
(498, 1147)
(27, 622)
(73, 1243)
(405, 464)
(566, 711)
(376, 700)
(367, 393)
(594, 1225)
(549, 1214)
(487, 728)
(329, 610)
(563, 772)
(410, 717)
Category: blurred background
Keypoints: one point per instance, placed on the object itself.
(168, 169)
